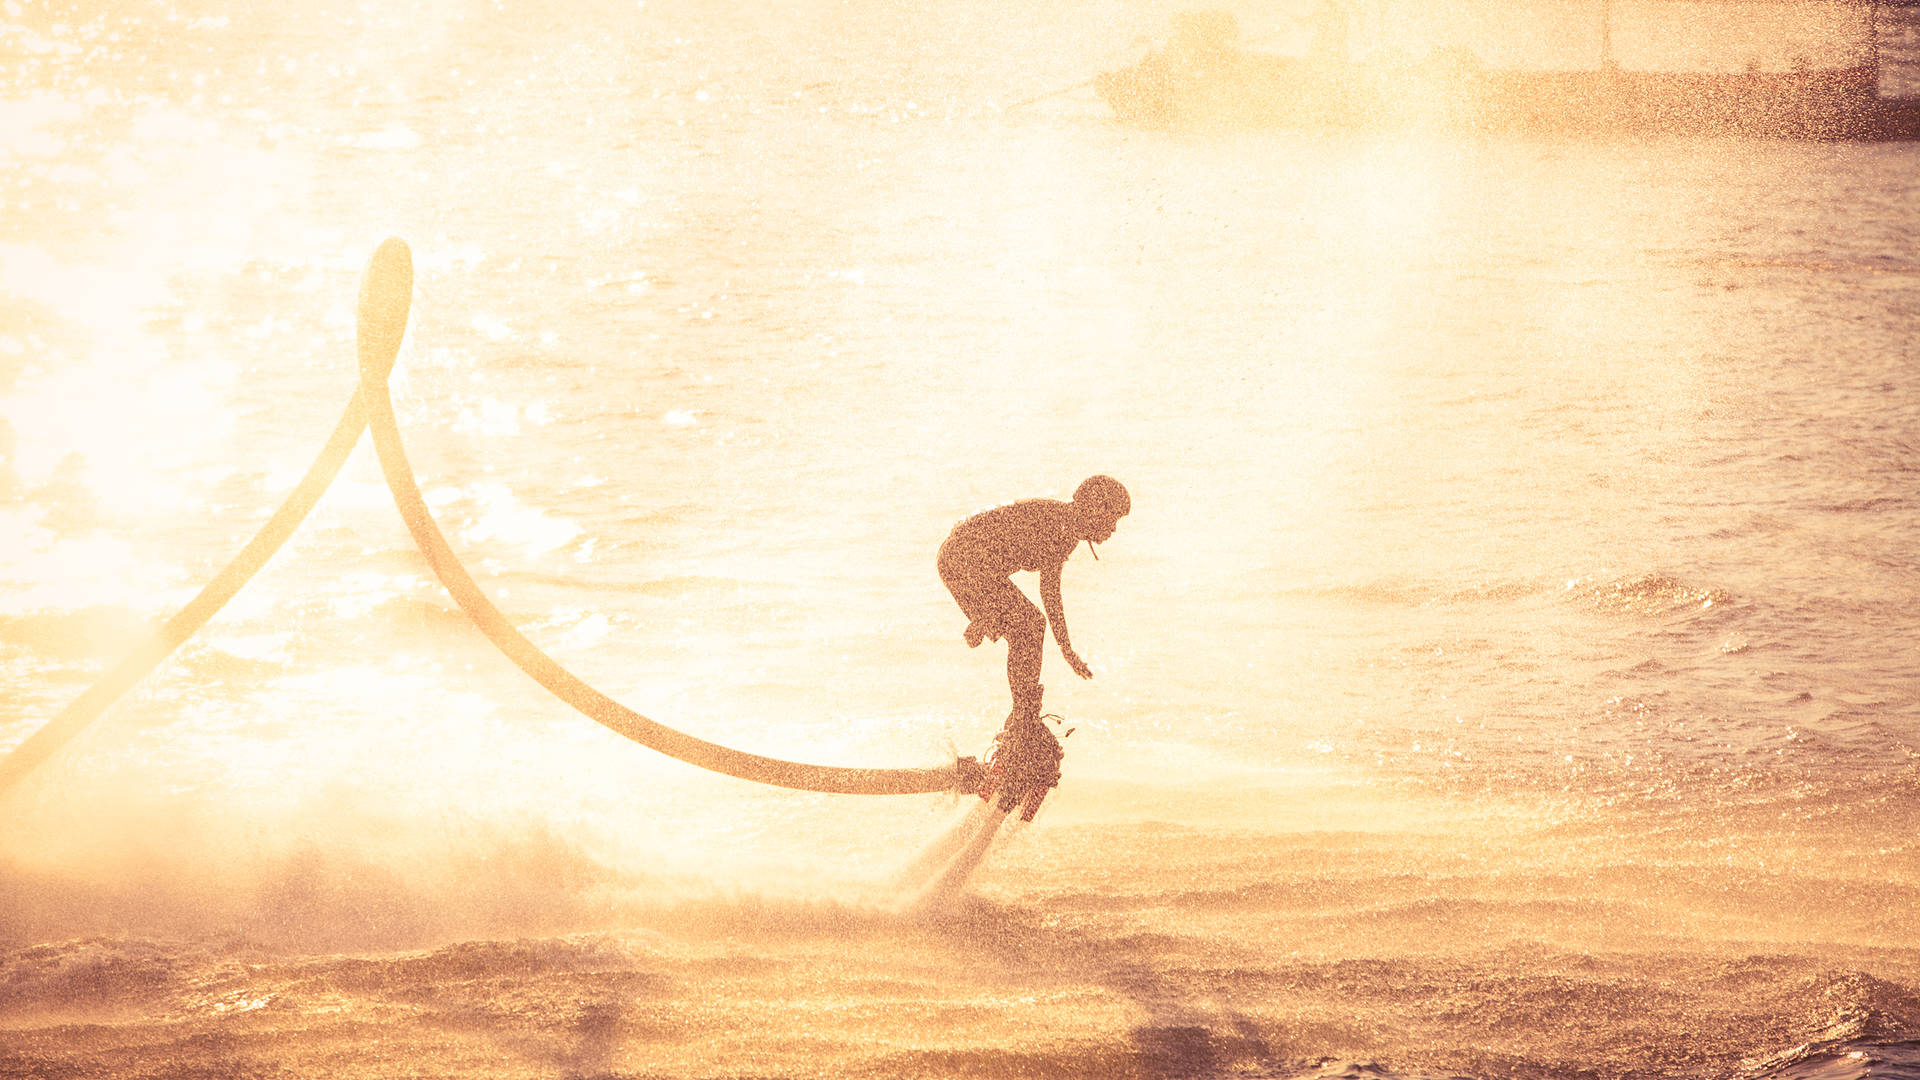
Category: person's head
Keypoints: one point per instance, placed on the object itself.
(1101, 502)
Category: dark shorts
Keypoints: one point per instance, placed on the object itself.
(988, 598)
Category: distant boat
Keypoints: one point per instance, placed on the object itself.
(1200, 79)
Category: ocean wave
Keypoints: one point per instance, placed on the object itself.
(1895, 504)
(94, 973)
(1648, 596)
(1847, 1059)
(1868, 1030)
(1423, 594)
(1857, 1005)
(467, 961)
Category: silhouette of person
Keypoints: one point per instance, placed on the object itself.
(981, 554)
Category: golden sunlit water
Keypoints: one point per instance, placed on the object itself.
(1506, 668)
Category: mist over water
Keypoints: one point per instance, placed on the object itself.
(1506, 669)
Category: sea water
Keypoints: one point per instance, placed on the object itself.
(1507, 668)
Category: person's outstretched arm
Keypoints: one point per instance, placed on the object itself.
(1057, 619)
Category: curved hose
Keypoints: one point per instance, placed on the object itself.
(42, 744)
(386, 293)
(385, 299)
(544, 669)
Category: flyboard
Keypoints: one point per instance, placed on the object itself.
(1024, 765)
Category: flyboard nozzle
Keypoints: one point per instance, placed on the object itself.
(386, 295)
(969, 776)
(1023, 767)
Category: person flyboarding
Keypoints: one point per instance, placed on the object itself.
(977, 563)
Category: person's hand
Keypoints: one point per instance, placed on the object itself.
(1078, 665)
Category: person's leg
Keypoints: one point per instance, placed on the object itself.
(996, 608)
(1025, 629)
(1026, 754)
(975, 595)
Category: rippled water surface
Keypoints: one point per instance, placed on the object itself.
(1507, 668)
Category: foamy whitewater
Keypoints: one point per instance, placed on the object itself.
(1507, 670)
